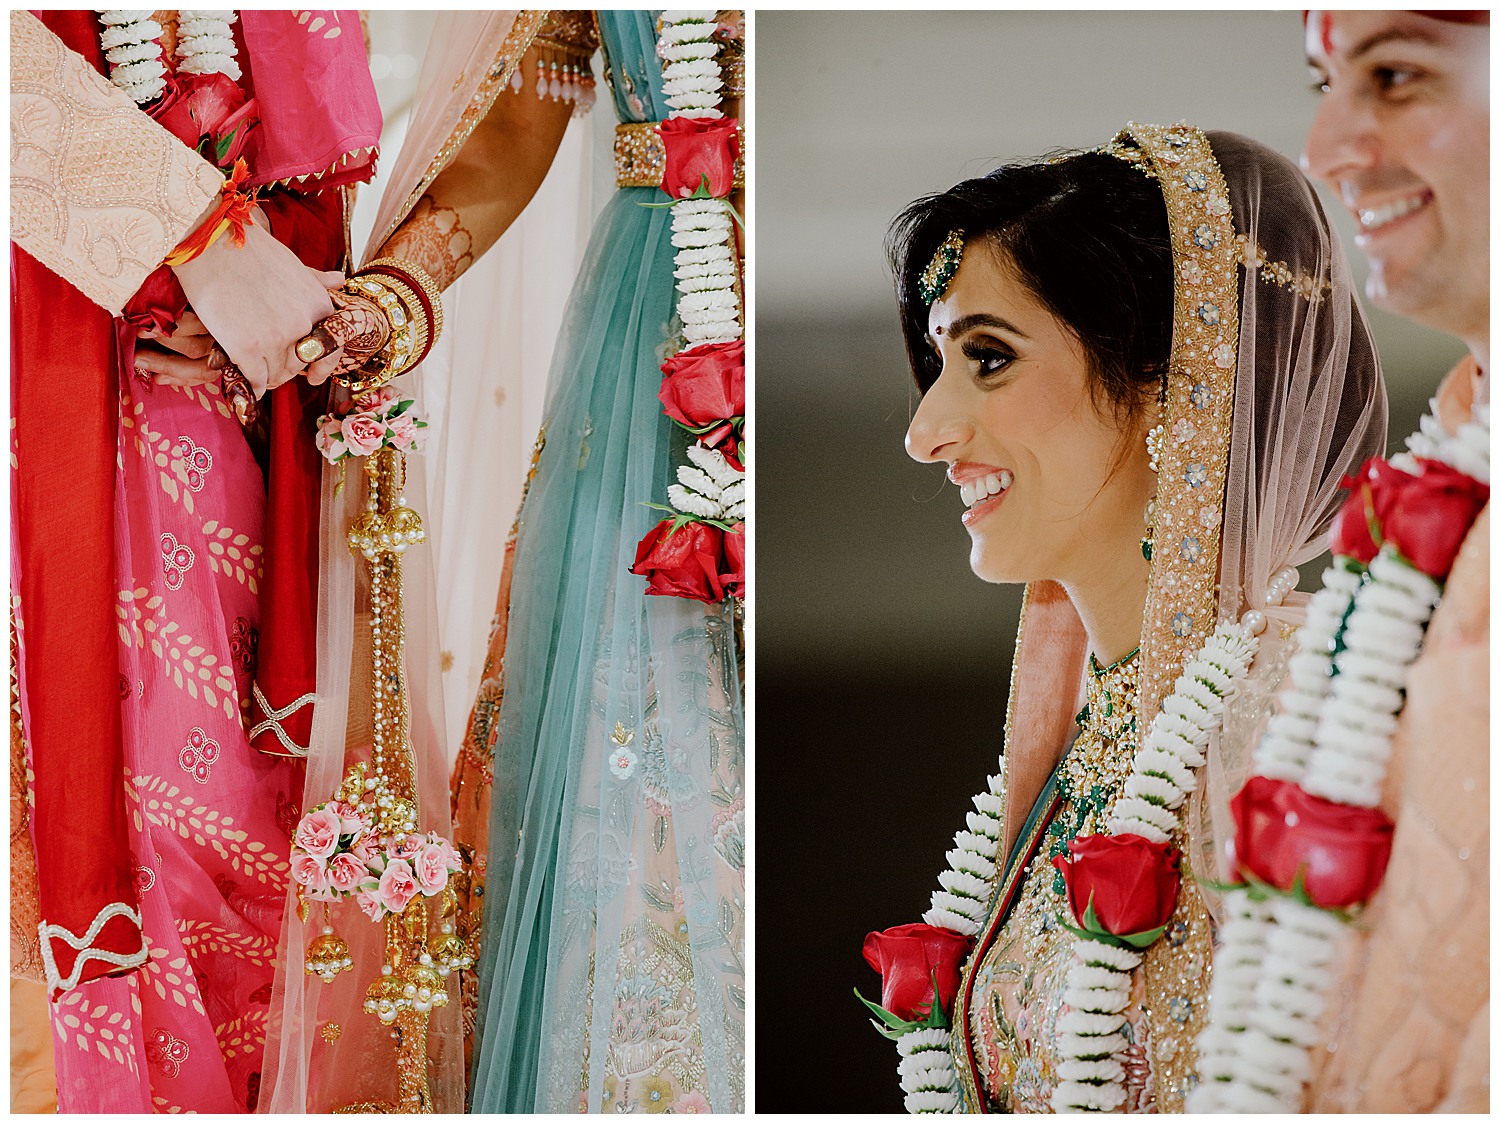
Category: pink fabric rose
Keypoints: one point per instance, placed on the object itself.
(431, 868)
(330, 438)
(308, 871)
(351, 820)
(371, 904)
(398, 885)
(451, 858)
(364, 433)
(318, 833)
(373, 401)
(403, 432)
(345, 872)
(406, 846)
(366, 848)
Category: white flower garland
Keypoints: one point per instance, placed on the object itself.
(1099, 979)
(704, 267)
(205, 45)
(134, 55)
(714, 489)
(1161, 777)
(1332, 737)
(702, 229)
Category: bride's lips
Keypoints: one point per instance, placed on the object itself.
(983, 488)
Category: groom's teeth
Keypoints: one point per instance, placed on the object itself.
(1374, 217)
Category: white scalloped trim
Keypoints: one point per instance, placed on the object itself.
(48, 933)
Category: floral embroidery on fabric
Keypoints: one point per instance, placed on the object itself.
(176, 560)
(244, 644)
(196, 460)
(145, 878)
(198, 755)
(166, 1052)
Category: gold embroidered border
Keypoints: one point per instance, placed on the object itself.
(1181, 599)
(512, 49)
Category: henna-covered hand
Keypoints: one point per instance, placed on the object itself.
(359, 327)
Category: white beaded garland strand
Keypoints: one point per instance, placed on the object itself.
(130, 41)
(130, 46)
(1332, 736)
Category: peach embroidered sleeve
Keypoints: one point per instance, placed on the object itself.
(99, 192)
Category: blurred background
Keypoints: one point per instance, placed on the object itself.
(881, 662)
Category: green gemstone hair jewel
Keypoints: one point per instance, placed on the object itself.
(940, 270)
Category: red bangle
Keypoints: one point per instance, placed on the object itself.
(232, 214)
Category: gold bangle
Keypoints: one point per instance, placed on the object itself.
(414, 274)
(413, 308)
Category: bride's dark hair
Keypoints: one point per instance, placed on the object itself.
(1086, 234)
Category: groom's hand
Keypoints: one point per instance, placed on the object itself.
(256, 301)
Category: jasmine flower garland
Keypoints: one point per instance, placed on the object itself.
(205, 45)
(1332, 739)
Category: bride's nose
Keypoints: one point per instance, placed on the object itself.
(940, 429)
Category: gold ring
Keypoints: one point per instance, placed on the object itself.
(316, 344)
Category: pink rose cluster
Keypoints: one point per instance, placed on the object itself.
(336, 854)
(375, 419)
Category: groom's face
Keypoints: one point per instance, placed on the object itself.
(1402, 136)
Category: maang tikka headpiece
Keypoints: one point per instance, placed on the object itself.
(940, 270)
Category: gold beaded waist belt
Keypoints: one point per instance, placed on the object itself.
(641, 157)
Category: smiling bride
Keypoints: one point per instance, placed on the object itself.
(1146, 372)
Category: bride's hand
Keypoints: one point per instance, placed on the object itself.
(359, 328)
(175, 367)
(189, 338)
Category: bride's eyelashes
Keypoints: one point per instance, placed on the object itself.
(991, 359)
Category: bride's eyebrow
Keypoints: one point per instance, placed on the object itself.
(965, 324)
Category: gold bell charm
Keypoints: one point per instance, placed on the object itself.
(327, 956)
(450, 953)
(424, 988)
(384, 999)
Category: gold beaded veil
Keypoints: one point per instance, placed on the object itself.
(1273, 395)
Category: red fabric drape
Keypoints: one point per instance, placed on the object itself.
(287, 666)
(65, 402)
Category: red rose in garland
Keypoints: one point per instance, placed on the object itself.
(1126, 882)
(734, 561)
(704, 390)
(1281, 831)
(208, 112)
(1358, 528)
(683, 562)
(907, 958)
(700, 151)
(1431, 516)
